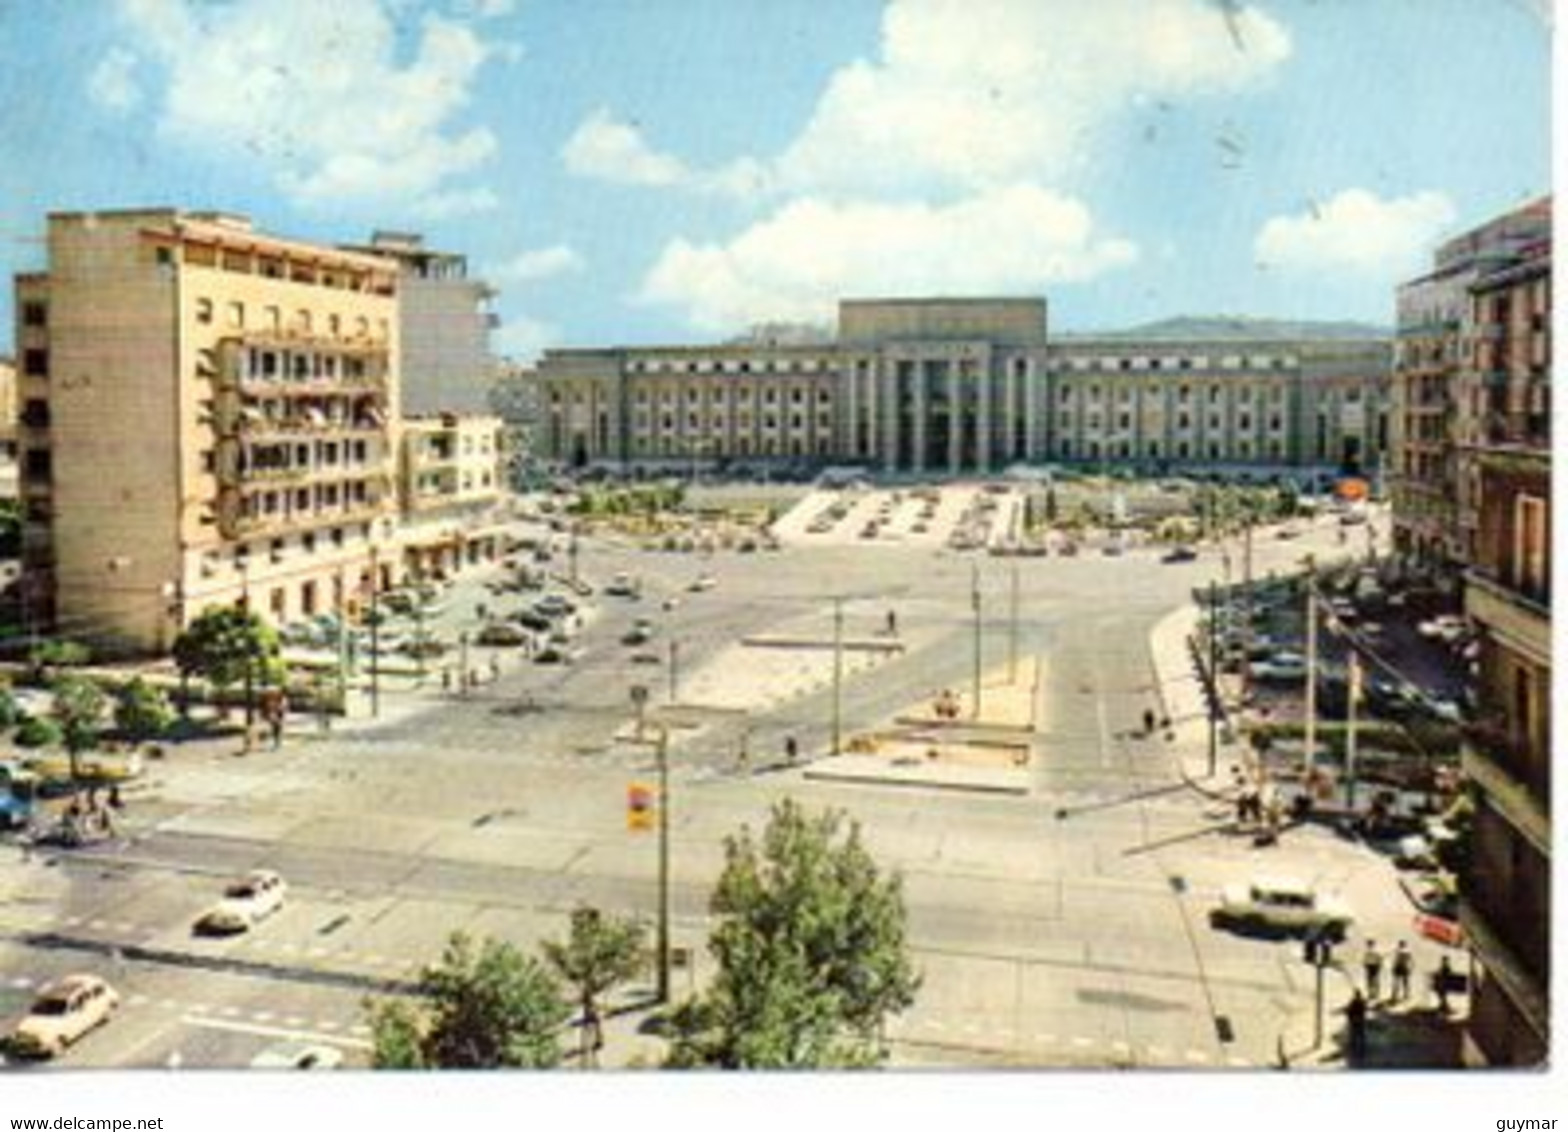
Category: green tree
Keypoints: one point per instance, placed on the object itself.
(47, 657)
(219, 645)
(600, 953)
(485, 1006)
(810, 948)
(79, 706)
(142, 711)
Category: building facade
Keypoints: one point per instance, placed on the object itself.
(1505, 461)
(967, 386)
(451, 483)
(1438, 389)
(445, 325)
(209, 413)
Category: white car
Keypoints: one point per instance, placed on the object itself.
(1448, 627)
(1282, 666)
(245, 903)
(1283, 905)
(298, 1055)
(64, 1013)
(705, 582)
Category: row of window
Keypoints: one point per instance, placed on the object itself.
(1184, 423)
(743, 420)
(729, 365)
(1136, 362)
(301, 321)
(1184, 393)
(1181, 450)
(271, 266)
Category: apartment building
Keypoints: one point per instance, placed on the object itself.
(968, 386)
(1505, 461)
(208, 413)
(445, 323)
(8, 445)
(1437, 391)
(451, 485)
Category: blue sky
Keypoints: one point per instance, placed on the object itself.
(631, 171)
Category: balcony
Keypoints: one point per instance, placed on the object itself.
(1514, 774)
(286, 521)
(1516, 619)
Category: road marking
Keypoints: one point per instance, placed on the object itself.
(1156, 1051)
(169, 1003)
(1045, 1039)
(1083, 1043)
(1197, 1056)
(294, 1021)
(138, 1000)
(229, 1011)
(274, 1031)
(21, 982)
(264, 1016)
(1241, 1062)
(98, 925)
(1121, 1047)
(328, 1024)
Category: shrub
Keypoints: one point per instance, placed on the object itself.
(39, 732)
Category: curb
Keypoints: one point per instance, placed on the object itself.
(863, 779)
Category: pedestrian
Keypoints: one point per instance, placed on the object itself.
(892, 623)
(1356, 1019)
(1148, 721)
(1441, 982)
(1372, 965)
(791, 748)
(495, 669)
(115, 801)
(446, 679)
(1403, 964)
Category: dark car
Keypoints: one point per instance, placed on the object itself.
(1180, 554)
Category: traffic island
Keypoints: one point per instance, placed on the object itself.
(1009, 698)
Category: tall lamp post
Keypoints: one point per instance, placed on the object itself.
(838, 676)
(662, 751)
(974, 602)
(242, 560)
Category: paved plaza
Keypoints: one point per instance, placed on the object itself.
(1058, 904)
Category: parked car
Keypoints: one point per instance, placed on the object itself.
(64, 1013)
(553, 654)
(623, 585)
(245, 903)
(532, 619)
(502, 634)
(298, 1055)
(1281, 666)
(1282, 905)
(1447, 627)
(555, 605)
(703, 583)
(1179, 554)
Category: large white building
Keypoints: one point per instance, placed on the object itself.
(959, 386)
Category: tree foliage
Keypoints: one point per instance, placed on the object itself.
(79, 706)
(142, 711)
(222, 641)
(600, 953)
(810, 948)
(485, 1005)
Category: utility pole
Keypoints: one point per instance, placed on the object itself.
(974, 601)
(1246, 607)
(419, 637)
(464, 682)
(838, 675)
(250, 653)
(1353, 681)
(1012, 629)
(664, 864)
(675, 662)
(1311, 730)
(375, 631)
(1214, 676)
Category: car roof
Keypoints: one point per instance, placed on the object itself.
(1282, 884)
(69, 984)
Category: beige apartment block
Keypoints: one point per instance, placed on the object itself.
(450, 483)
(210, 413)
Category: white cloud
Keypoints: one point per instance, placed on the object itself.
(524, 339)
(967, 94)
(793, 265)
(606, 148)
(539, 263)
(112, 83)
(324, 98)
(1356, 231)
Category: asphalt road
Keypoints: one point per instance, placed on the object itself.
(1065, 927)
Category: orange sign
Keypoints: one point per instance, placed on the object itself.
(640, 805)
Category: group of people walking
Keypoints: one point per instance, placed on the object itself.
(1401, 968)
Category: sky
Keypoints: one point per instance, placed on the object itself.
(647, 171)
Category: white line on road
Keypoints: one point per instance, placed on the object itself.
(1083, 1043)
(273, 1031)
(1197, 1056)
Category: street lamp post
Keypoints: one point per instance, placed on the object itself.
(242, 560)
(663, 939)
(675, 664)
(464, 682)
(1214, 676)
(974, 601)
(838, 675)
(375, 631)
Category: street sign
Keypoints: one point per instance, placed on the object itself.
(640, 805)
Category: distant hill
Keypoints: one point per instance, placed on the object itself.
(1239, 326)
